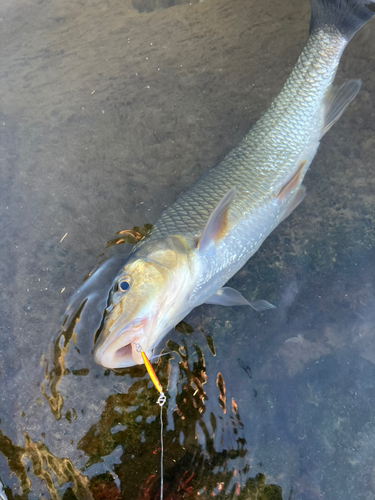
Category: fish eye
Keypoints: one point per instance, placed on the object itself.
(123, 285)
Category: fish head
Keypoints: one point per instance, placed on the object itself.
(148, 298)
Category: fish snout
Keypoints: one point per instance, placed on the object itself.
(122, 349)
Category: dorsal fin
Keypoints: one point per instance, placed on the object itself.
(218, 224)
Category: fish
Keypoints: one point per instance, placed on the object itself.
(212, 230)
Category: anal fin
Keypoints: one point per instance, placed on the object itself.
(336, 100)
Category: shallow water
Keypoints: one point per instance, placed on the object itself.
(108, 111)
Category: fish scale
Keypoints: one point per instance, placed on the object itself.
(268, 155)
(258, 167)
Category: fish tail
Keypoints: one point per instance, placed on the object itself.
(348, 16)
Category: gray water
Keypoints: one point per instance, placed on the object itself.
(109, 109)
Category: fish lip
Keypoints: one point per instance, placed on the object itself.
(106, 355)
(135, 337)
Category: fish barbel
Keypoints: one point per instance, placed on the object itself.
(209, 233)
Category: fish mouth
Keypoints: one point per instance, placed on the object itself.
(122, 350)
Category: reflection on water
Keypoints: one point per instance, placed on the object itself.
(55, 367)
(55, 472)
(87, 305)
(204, 443)
(130, 236)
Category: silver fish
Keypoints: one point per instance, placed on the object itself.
(209, 233)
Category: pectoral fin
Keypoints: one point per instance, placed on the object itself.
(218, 223)
(336, 100)
(227, 296)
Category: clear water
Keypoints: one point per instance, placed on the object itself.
(108, 111)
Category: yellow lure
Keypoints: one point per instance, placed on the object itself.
(152, 373)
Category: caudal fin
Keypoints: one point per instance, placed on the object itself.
(348, 16)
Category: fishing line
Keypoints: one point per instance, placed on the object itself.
(161, 401)
(157, 356)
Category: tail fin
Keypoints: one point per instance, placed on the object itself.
(348, 16)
